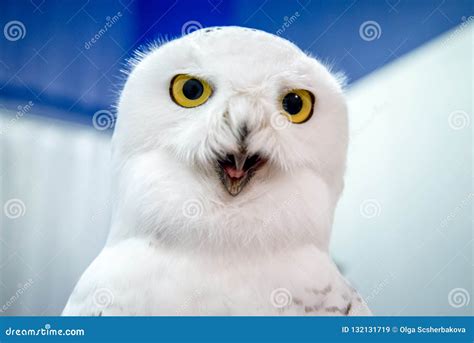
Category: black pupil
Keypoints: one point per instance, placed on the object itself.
(192, 89)
(292, 103)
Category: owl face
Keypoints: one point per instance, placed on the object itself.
(230, 115)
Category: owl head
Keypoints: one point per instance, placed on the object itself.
(229, 138)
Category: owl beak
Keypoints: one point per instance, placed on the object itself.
(236, 170)
(240, 161)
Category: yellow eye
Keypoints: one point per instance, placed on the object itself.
(298, 105)
(189, 91)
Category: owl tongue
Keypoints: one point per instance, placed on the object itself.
(234, 172)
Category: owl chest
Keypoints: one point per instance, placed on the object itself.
(296, 285)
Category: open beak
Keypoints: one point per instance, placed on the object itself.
(236, 170)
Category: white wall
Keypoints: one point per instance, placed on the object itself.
(408, 163)
(59, 172)
(410, 173)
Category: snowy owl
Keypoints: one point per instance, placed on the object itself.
(229, 154)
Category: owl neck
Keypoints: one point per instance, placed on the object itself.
(172, 207)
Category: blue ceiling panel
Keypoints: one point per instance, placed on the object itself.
(67, 55)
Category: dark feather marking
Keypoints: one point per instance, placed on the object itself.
(334, 309)
(324, 291)
(348, 308)
(297, 301)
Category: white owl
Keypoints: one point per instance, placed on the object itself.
(229, 155)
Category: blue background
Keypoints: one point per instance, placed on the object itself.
(52, 67)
